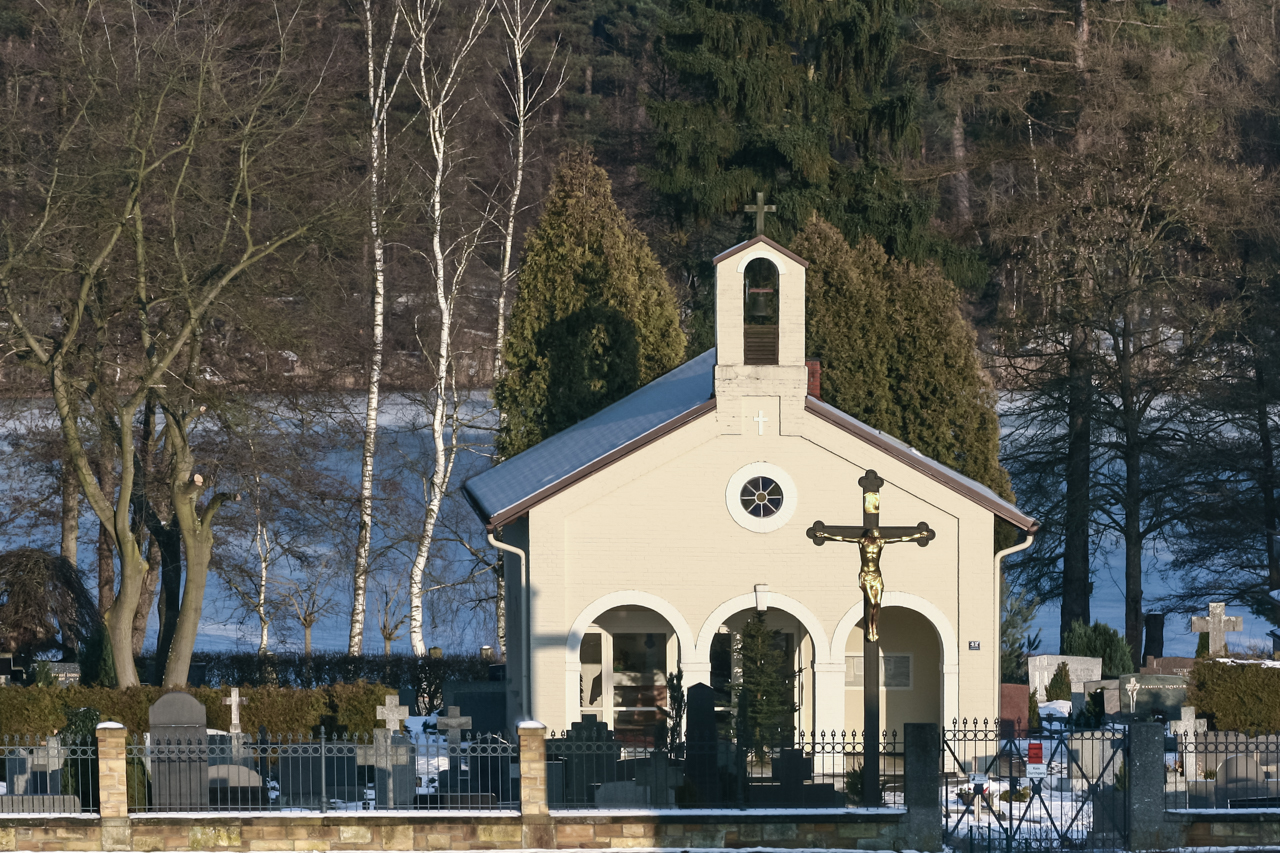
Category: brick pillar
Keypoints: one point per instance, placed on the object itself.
(113, 789)
(538, 831)
(922, 827)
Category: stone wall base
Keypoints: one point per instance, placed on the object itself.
(1242, 829)
(853, 831)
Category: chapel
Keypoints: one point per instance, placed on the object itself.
(640, 540)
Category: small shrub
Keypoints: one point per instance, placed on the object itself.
(1033, 711)
(1015, 795)
(1060, 685)
(1100, 641)
(853, 786)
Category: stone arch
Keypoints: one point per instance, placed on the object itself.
(621, 598)
(778, 601)
(762, 252)
(941, 624)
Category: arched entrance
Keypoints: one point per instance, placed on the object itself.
(911, 675)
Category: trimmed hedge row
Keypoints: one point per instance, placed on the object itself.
(1240, 697)
(425, 676)
(340, 708)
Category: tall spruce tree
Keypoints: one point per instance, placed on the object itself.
(595, 317)
(897, 354)
(766, 700)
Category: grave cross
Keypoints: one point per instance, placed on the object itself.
(870, 539)
(760, 209)
(235, 702)
(1217, 623)
(392, 713)
(453, 723)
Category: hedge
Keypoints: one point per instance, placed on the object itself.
(1240, 697)
(425, 676)
(340, 708)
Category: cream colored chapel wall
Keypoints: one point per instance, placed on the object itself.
(656, 522)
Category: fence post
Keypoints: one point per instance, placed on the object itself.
(535, 816)
(113, 787)
(1144, 772)
(922, 827)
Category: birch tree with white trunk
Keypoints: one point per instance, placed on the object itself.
(384, 75)
(441, 81)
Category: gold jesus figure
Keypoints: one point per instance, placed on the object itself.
(870, 544)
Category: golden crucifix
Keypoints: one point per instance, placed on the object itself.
(871, 539)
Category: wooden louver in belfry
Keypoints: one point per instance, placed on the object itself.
(760, 344)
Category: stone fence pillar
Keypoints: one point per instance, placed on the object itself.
(535, 815)
(113, 787)
(922, 828)
(1144, 771)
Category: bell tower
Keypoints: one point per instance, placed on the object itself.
(760, 322)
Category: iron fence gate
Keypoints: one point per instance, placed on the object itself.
(1053, 789)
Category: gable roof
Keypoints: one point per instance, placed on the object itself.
(912, 458)
(511, 488)
(742, 247)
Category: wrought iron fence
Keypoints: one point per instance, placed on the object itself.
(589, 768)
(1048, 788)
(1222, 770)
(382, 772)
(45, 776)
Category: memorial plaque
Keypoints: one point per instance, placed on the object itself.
(179, 751)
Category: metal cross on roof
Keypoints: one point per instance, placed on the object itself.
(453, 723)
(760, 209)
(235, 702)
(393, 713)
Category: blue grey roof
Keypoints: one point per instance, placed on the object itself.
(566, 453)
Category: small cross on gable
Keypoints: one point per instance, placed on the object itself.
(235, 702)
(760, 420)
(1217, 624)
(393, 713)
(453, 723)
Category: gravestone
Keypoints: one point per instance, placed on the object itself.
(179, 752)
(1153, 641)
(1168, 666)
(1153, 695)
(1040, 670)
(64, 673)
(1217, 624)
(10, 674)
(589, 758)
(1186, 730)
(702, 744)
(1240, 783)
(792, 770)
(392, 757)
(1015, 704)
(1110, 688)
(35, 770)
(485, 702)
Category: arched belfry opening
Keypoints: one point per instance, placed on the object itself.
(760, 312)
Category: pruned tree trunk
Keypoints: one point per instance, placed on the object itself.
(147, 597)
(1079, 472)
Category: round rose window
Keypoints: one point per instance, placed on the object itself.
(761, 497)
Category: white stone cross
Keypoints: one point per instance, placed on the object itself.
(1217, 623)
(235, 702)
(760, 420)
(392, 713)
(453, 723)
(1132, 689)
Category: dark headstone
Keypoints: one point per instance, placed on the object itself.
(485, 702)
(1153, 628)
(702, 744)
(498, 672)
(1167, 666)
(179, 753)
(197, 674)
(409, 698)
(586, 770)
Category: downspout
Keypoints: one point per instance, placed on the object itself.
(999, 558)
(526, 641)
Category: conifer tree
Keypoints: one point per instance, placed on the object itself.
(595, 318)
(897, 354)
(1060, 685)
(768, 705)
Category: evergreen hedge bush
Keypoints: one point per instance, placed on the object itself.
(340, 708)
(1060, 685)
(1240, 697)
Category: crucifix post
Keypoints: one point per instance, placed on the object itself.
(870, 538)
